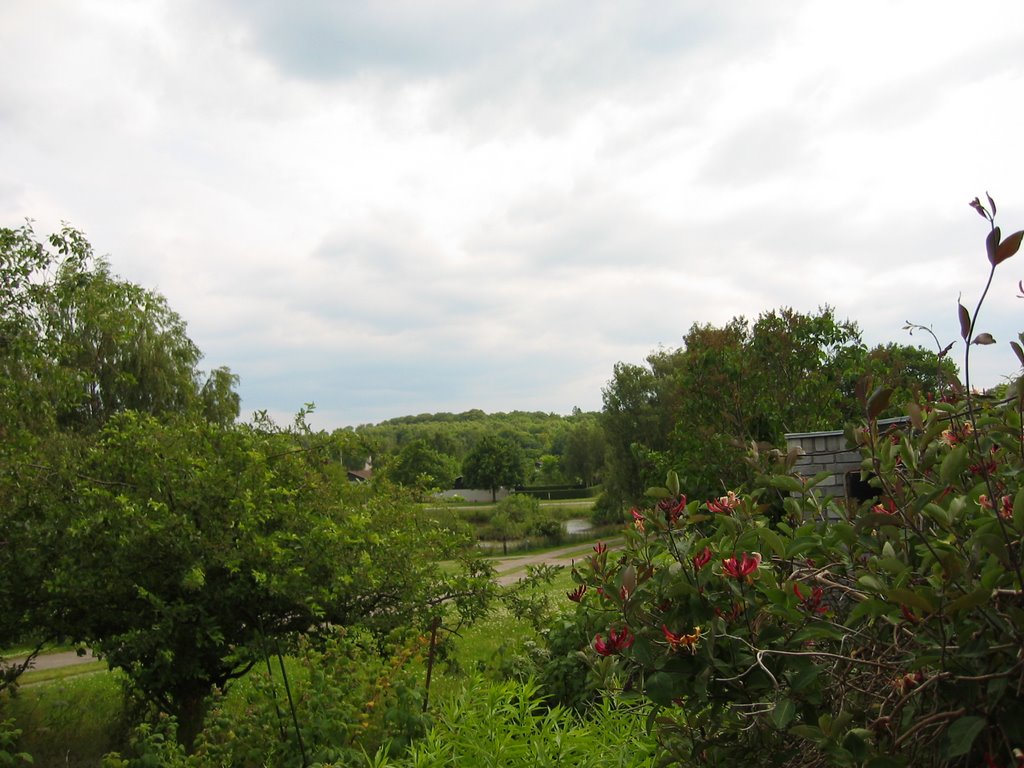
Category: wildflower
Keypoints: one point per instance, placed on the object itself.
(702, 558)
(724, 505)
(734, 613)
(678, 642)
(600, 547)
(673, 508)
(618, 640)
(638, 519)
(812, 602)
(624, 592)
(1006, 508)
(888, 507)
(577, 594)
(909, 681)
(740, 569)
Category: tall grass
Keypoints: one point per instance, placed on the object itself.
(70, 722)
(506, 724)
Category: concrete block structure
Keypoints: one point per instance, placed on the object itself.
(829, 452)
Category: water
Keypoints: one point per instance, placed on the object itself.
(578, 525)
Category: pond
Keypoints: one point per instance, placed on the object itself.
(578, 525)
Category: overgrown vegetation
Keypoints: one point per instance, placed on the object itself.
(260, 609)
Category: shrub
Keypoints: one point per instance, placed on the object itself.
(886, 635)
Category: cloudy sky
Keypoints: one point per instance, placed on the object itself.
(391, 208)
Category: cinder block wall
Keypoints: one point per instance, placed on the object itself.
(825, 452)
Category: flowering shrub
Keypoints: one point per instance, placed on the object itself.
(885, 634)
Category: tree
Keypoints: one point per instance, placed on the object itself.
(513, 518)
(584, 452)
(78, 344)
(189, 546)
(421, 467)
(493, 463)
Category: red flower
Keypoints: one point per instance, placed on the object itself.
(724, 505)
(673, 508)
(702, 558)
(742, 568)
(888, 507)
(618, 640)
(600, 547)
(678, 642)
(812, 602)
(908, 614)
(577, 594)
(638, 519)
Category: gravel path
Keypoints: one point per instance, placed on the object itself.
(511, 569)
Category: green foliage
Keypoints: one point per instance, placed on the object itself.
(9, 754)
(507, 724)
(187, 544)
(494, 462)
(887, 635)
(421, 467)
(349, 700)
(699, 407)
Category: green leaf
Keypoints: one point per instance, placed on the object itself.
(873, 583)
(786, 483)
(783, 713)
(954, 464)
(911, 599)
(969, 600)
(811, 732)
(773, 541)
(961, 736)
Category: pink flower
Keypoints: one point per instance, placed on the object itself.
(618, 640)
(740, 569)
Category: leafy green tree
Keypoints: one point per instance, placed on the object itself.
(188, 546)
(585, 447)
(419, 466)
(513, 518)
(493, 463)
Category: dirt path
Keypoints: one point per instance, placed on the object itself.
(511, 569)
(56, 660)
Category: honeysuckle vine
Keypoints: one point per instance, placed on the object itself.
(881, 634)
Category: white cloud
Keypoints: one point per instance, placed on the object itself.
(403, 207)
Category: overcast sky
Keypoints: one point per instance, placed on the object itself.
(434, 205)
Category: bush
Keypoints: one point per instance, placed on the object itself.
(349, 700)
(886, 635)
